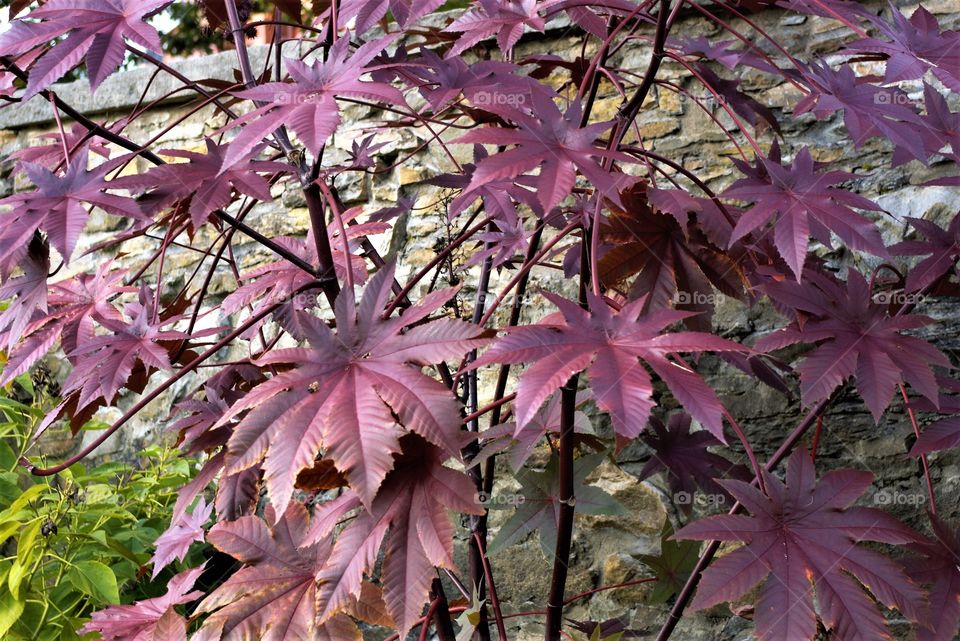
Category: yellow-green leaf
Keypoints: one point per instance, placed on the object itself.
(15, 577)
(25, 543)
(10, 610)
(99, 580)
(28, 495)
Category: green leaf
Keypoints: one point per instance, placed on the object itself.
(97, 493)
(10, 610)
(123, 550)
(616, 636)
(28, 495)
(94, 426)
(67, 633)
(98, 581)
(25, 543)
(16, 406)
(9, 529)
(25, 381)
(672, 567)
(15, 577)
(8, 460)
(538, 502)
(31, 623)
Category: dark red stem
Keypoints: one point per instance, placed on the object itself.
(561, 555)
(441, 612)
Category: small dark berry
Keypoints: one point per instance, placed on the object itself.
(48, 528)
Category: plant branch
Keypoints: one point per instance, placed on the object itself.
(129, 145)
(311, 190)
(162, 387)
(494, 599)
(561, 555)
(442, 613)
(923, 457)
(629, 110)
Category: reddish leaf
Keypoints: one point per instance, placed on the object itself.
(802, 203)
(104, 364)
(74, 306)
(868, 110)
(500, 197)
(56, 207)
(275, 281)
(740, 103)
(205, 181)
(505, 244)
(445, 79)
(170, 627)
(369, 12)
(95, 30)
(28, 291)
(610, 347)
(51, 155)
(684, 456)
(554, 142)
(800, 541)
(915, 46)
(176, 540)
(144, 619)
(353, 392)
(940, 126)
(238, 494)
(940, 435)
(855, 335)
(412, 504)
(675, 265)
(274, 597)
(941, 248)
(505, 18)
(370, 607)
(937, 564)
(704, 211)
(721, 52)
(308, 105)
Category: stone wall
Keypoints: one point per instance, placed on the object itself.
(605, 550)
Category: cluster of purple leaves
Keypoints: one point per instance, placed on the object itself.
(368, 401)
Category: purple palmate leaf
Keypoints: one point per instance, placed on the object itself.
(139, 621)
(915, 46)
(308, 105)
(205, 180)
(175, 541)
(855, 335)
(412, 505)
(95, 30)
(273, 597)
(612, 347)
(104, 363)
(551, 140)
(56, 207)
(353, 392)
(802, 202)
(936, 562)
(800, 542)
